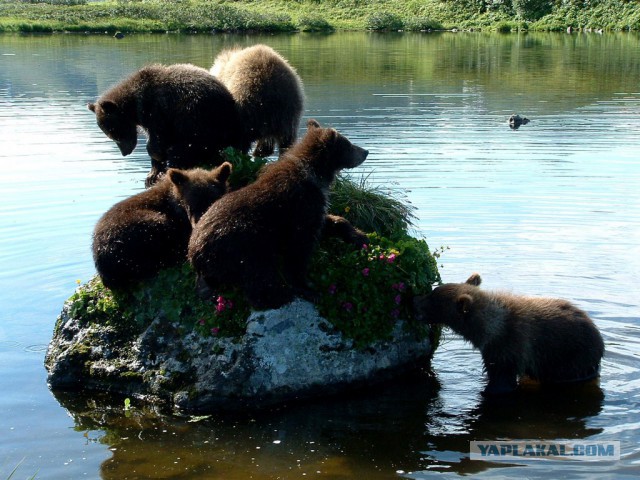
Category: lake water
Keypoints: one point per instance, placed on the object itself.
(552, 208)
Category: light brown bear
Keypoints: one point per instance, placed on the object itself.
(549, 340)
(268, 92)
(261, 237)
(149, 231)
(187, 114)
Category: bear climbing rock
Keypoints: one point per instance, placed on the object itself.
(549, 340)
(149, 231)
(268, 92)
(261, 237)
(187, 114)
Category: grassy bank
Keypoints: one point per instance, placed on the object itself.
(315, 15)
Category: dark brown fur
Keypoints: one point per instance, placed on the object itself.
(187, 114)
(261, 237)
(546, 339)
(268, 92)
(149, 231)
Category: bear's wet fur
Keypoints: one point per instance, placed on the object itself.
(142, 234)
(268, 92)
(261, 237)
(187, 114)
(549, 340)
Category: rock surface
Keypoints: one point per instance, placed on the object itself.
(286, 354)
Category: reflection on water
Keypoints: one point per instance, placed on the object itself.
(407, 425)
(552, 208)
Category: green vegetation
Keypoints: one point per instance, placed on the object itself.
(362, 290)
(315, 15)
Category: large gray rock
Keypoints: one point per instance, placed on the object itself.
(286, 354)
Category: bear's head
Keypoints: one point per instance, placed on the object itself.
(332, 149)
(197, 189)
(115, 125)
(452, 304)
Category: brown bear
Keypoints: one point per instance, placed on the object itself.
(546, 339)
(187, 114)
(149, 231)
(261, 237)
(268, 93)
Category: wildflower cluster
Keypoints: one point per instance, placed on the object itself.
(171, 294)
(364, 291)
(223, 315)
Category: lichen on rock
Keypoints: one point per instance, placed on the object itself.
(286, 354)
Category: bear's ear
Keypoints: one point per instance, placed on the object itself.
(464, 303)
(223, 172)
(329, 136)
(313, 123)
(474, 279)
(92, 107)
(177, 177)
(108, 106)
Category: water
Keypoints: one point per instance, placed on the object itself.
(551, 209)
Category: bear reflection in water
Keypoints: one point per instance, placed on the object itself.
(545, 339)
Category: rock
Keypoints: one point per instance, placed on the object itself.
(286, 354)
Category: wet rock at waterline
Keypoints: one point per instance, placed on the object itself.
(286, 354)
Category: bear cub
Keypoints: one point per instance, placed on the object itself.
(187, 114)
(142, 234)
(261, 237)
(549, 340)
(268, 92)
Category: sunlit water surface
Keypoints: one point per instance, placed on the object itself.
(551, 209)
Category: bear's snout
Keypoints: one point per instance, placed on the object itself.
(359, 156)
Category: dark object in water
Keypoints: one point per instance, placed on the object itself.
(119, 35)
(516, 120)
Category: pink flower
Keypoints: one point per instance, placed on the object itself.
(201, 321)
(332, 288)
(382, 257)
(348, 306)
(365, 246)
(398, 299)
(391, 258)
(221, 304)
(215, 330)
(365, 272)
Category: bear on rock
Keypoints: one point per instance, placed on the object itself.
(547, 339)
(142, 234)
(187, 114)
(261, 237)
(268, 92)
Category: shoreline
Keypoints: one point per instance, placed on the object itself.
(280, 16)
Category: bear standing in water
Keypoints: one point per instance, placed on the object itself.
(149, 231)
(549, 340)
(268, 93)
(261, 237)
(187, 114)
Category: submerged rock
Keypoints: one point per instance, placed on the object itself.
(286, 354)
